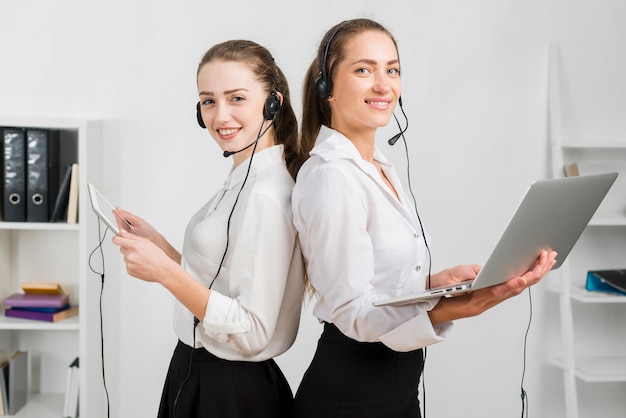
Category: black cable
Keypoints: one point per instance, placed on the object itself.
(195, 319)
(180, 389)
(259, 135)
(523, 393)
(408, 176)
(430, 261)
(101, 238)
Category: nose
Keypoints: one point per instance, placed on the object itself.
(222, 113)
(382, 83)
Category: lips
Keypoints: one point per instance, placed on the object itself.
(379, 103)
(228, 133)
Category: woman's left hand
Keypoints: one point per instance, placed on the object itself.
(481, 300)
(454, 275)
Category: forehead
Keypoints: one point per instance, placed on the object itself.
(373, 45)
(223, 75)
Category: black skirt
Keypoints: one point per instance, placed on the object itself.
(214, 387)
(348, 378)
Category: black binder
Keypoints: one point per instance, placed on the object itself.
(42, 173)
(13, 175)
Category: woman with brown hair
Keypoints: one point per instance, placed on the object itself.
(363, 241)
(238, 280)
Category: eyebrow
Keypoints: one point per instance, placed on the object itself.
(210, 93)
(374, 62)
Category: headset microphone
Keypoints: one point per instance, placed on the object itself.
(229, 153)
(271, 109)
(392, 141)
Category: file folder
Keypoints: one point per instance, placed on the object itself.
(59, 210)
(42, 172)
(18, 381)
(13, 175)
(611, 281)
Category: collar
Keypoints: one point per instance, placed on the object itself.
(332, 145)
(261, 161)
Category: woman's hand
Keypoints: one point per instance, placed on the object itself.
(144, 260)
(480, 300)
(128, 221)
(454, 275)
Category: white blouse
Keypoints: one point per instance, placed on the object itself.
(361, 244)
(254, 307)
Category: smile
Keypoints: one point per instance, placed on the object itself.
(229, 131)
(379, 103)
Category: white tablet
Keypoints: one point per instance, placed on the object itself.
(104, 210)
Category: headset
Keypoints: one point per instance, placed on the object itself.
(271, 109)
(323, 84)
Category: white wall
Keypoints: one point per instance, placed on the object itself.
(474, 77)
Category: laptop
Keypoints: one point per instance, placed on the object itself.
(551, 216)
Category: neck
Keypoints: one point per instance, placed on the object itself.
(266, 141)
(363, 139)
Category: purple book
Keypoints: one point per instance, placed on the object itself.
(33, 300)
(42, 316)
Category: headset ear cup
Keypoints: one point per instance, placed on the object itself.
(272, 107)
(199, 116)
(321, 85)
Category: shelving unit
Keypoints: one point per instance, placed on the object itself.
(592, 340)
(57, 252)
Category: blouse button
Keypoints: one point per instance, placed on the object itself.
(418, 268)
(416, 235)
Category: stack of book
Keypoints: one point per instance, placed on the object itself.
(40, 301)
(36, 185)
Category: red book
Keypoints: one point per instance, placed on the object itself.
(33, 300)
(41, 316)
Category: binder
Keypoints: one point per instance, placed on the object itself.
(72, 200)
(70, 407)
(610, 281)
(13, 175)
(17, 387)
(4, 393)
(42, 173)
(59, 210)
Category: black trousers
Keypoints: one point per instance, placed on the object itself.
(214, 387)
(362, 380)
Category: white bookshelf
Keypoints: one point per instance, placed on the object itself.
(591, 336)
(57, 252)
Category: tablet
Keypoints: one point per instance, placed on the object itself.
(104, 210)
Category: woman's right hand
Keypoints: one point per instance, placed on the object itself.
(133, 223)
(143, 229)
